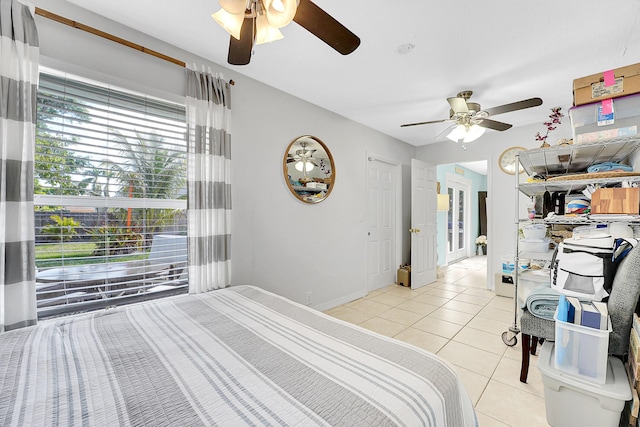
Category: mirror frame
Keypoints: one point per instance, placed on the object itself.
(285, 170)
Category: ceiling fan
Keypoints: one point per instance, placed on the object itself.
(252, 22)
(303, 158)
(471, 120)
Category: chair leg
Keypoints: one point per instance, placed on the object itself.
(526, 350)
(534, 345)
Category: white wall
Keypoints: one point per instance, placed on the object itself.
(500, 186)
(278, 243)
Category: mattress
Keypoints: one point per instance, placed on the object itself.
(232, 357)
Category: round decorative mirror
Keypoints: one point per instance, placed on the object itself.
(308, 169)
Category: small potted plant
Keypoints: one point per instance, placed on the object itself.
(481, 244)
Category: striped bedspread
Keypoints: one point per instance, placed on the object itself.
(234, 357)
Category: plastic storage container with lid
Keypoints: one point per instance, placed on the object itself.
(572, 402)
(589, 124)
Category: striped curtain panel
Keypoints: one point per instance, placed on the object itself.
(208, 181)
(19, 55)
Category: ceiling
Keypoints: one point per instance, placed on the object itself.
(503, 50)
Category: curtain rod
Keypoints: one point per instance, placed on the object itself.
(116, 39)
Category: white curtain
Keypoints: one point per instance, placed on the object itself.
(209, 181)
(19, 53)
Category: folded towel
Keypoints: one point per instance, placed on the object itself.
(543, 301)
(609, 166)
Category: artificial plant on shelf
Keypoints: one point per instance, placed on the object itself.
(551, 124)
(324, 167)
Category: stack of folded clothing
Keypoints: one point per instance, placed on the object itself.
(609, 167)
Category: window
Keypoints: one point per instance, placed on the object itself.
(110, 196)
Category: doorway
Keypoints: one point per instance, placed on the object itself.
(458, 218)
(465, 180)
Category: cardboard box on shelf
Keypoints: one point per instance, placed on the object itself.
(404, 275)
(616, 201)
(592, 88)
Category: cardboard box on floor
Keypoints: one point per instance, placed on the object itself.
(404, 275)
(591, 88)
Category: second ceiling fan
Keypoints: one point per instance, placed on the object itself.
(253, 22)
(470, 120)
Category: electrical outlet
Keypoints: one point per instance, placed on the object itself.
(308, 298)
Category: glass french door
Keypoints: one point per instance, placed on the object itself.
(457, 221)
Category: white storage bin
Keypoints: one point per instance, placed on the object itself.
(534, 231)
(535, 245)
(571, 402)
(581, 351)
(626, 121)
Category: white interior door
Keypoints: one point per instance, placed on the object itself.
(423, 224)
(381, 224)
(458, 218)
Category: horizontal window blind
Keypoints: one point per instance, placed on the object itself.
(110, 196)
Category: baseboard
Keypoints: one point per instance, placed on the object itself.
(339, 301)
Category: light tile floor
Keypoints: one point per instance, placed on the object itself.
(460, 320)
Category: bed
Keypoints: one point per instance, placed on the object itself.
(237, 356)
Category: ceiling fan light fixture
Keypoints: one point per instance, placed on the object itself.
(234, 7)
(304, 166)
(473, 133)
(466, 133)
(265, 32)
(280, 13)
(457, 133)
(232, 23)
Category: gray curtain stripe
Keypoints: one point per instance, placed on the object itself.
(14, 105)
(18, 105)
(21, 257)
(17, 23)
(210, 195)
(211, 249)
(209, 140)
(19, 174)
(204, 86)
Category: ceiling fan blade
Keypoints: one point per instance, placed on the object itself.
(514, 106)
(495, 125)
(458, 105)
(325, 27)
(240, 50)
(424, 123)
